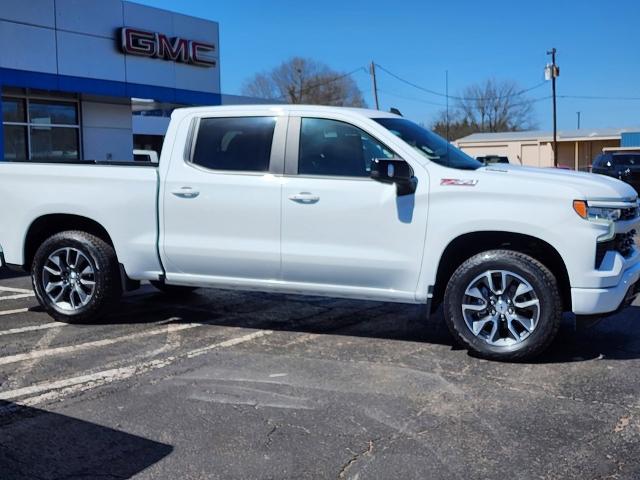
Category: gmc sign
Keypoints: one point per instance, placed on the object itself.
(157, 45)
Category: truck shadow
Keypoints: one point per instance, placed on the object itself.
(39, 444)
(616, 337)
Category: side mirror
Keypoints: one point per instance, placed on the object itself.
(394, 170)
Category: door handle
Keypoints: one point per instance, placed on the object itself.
(186, 192)
(304, 197)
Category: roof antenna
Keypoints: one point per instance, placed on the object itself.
(395, 110)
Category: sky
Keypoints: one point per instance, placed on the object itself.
(597, 42)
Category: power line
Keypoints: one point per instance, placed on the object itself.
(455, 97)
(414, 99)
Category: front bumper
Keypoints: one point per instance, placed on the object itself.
(594, 301)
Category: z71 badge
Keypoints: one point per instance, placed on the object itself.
(457, 182)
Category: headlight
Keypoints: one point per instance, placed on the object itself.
(596, 213)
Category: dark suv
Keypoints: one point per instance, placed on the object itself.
(624, 166)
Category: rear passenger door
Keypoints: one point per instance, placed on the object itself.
(221, 203)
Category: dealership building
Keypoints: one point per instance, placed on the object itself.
(94, 79)
(577, 149)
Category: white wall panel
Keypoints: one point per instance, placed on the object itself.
(105, 144)
(101, 18)
(89, 57)
(106, 115)
(33, 12)
(25, 47)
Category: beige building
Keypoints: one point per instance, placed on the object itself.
(576, 148)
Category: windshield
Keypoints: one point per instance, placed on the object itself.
(430, 145)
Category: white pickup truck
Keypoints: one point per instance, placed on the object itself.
(328, 201)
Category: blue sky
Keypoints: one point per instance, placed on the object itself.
(597, 41)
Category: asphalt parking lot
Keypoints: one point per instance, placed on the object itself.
(248, 385)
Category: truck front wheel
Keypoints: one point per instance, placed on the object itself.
(503, 305)
(76, 276)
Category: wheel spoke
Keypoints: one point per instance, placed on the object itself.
(527, 303)
(527, 323)
(522, 289)
(52, 271)
(56, 298)
(479, 325)
(82, 295)
(513, 331)
(52, 286)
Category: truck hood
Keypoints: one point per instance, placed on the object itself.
(587, 185)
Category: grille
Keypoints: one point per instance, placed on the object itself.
(623, 243)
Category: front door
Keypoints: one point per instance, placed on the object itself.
(341, 230)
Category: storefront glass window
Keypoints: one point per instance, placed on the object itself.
(40, 129)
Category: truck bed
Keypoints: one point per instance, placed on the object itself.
(121, 197)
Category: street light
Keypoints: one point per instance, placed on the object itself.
(551, 72)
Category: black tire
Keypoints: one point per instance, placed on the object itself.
(173, 290)
(102, 257)
(535, 273)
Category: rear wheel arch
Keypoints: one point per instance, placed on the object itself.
(467, 245)
(46, 226)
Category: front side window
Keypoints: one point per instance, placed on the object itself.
(40, 129)
(235, 144)
(333, 148)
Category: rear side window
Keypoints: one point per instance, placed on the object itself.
(333, 148)
(235, 144)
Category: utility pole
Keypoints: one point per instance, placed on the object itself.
(578, 113)
(446, 88)
(372, 71)
(552, 72)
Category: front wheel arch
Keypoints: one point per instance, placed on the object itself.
(467, 245)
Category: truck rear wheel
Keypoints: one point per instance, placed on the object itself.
(76, 277)
(503, 305)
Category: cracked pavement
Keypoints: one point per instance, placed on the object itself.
(236, 385)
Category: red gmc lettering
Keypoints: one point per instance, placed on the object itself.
(151, 44)
(176, 49)
(202, 54)
(139, 42)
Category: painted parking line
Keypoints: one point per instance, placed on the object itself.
(95, 344)
(33, 328)
(54, 390)
(15, 290)
(13, 312)
(17, 296)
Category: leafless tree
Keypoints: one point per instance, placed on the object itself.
(302, 80)
(490, 106)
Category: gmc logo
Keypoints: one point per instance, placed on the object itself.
(157, 45)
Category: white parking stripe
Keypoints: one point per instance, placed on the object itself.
(95, 344)
(18, 296)
(32, 328)
(13, 312)
(15, 290)
(54, 390)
